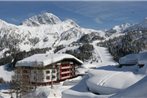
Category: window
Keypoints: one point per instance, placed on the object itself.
(53, 76)
(53, 71)
(48, 77)
(47, 72)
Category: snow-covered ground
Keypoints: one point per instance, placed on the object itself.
(6, 75)
(56, 91)
(41, 91)
(102, 81)
(137, 90)
(109, 81)
(47, 92)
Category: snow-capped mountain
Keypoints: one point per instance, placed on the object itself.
(121, 28)
(41, 31)
(48, 31)
(142, 26)
(44, 18)
(118, 29)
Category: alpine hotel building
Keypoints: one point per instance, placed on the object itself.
(42, 69)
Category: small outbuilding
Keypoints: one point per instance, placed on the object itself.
(129, 60)
(142, 58)
(139, 59)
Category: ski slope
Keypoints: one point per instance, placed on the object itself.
(102, 55)
(105, 57)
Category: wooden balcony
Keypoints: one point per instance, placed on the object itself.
(66, 67)
(66, 72)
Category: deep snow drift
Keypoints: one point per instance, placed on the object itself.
(111, 83)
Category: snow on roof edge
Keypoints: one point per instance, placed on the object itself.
(44, 59)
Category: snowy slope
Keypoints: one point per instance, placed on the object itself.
(138, 90)
(47, 35)
(109, 82)
(102, 55)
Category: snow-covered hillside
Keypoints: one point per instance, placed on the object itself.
(41, 31)
(118, 29)
(46, 30)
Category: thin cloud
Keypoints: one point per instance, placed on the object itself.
(15, 20)
(98, 20)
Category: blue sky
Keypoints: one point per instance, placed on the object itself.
(90, 14)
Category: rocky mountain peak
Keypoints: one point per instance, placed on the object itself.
(141, 26)
(71, 22)
(41, 19)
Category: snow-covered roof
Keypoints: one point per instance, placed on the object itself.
(44, 59)
(129, 59)
(142, 57)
